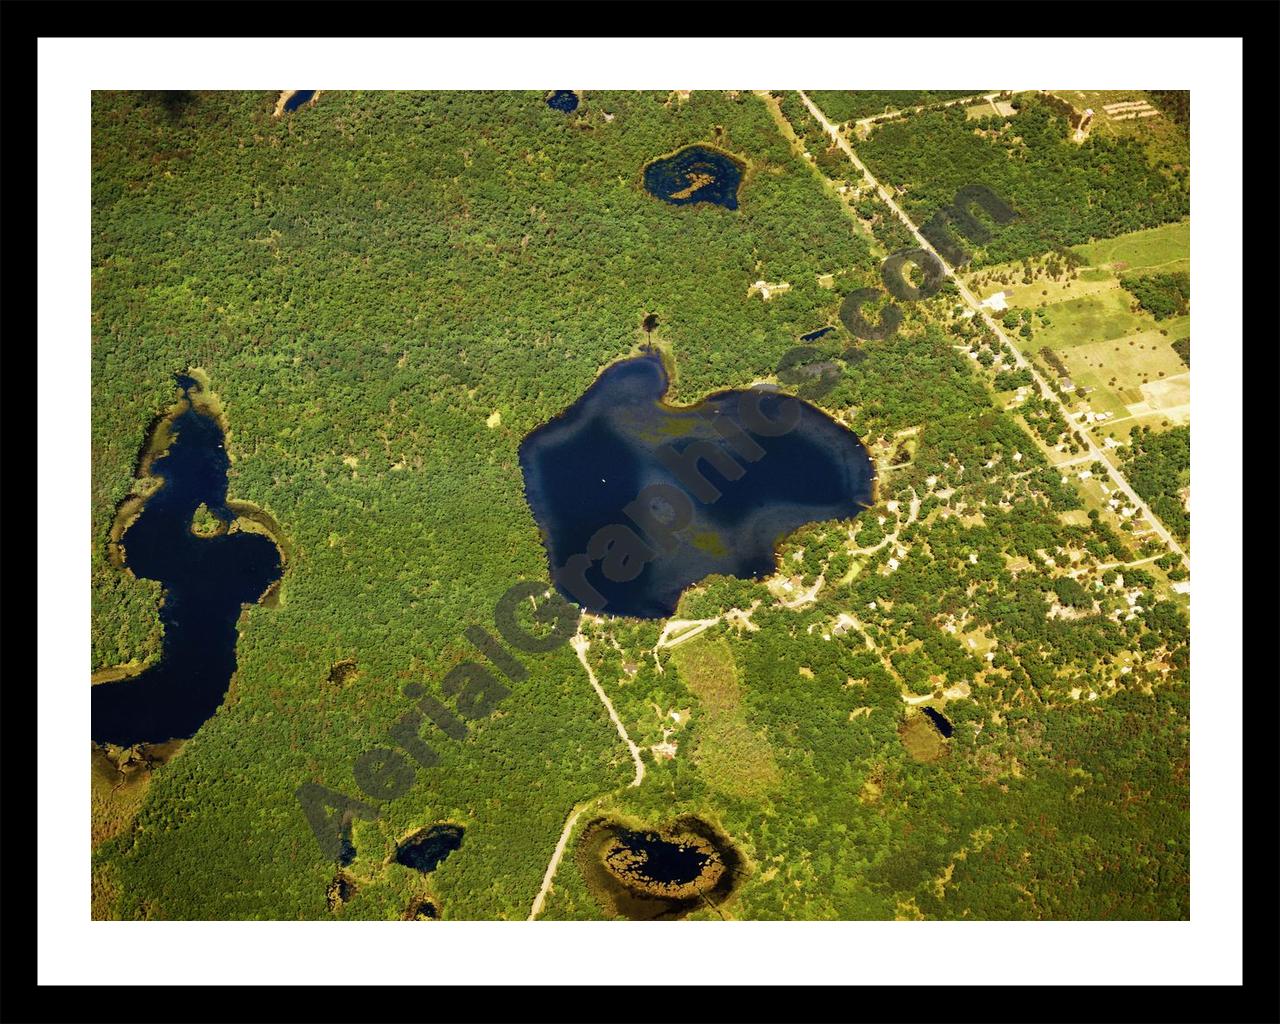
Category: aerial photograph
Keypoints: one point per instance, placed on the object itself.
(579, 505)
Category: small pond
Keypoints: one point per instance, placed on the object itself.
(655, 874)
(565, 100)
(346, 851)
(427, 847)
(815, 335)
(300, 97)
(422, 910)
(696, 174)
(939, 720)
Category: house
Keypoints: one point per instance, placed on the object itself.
(1066, 384)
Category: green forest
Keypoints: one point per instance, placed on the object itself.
(1065, 193)
(388, 290)
(1158, 464)
(1161, 295)
(845, 105)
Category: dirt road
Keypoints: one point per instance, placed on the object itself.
(580, 645)
(1096, 451)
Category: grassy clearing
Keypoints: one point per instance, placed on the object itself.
(1163, 140)
(1123, 367)
(923, 741)
(114, 799)
(1156, 421)
(1177, 327)
(1091, 318)
(989, 108)
(106, 892)
(1166, 248)
(732, 758)
(1051, 293)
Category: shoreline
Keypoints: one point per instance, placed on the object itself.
(287, 94)
(746, 166)
(248, 517)
(661, 357)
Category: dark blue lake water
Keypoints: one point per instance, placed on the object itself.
(815, 335)
(206, 582)
(696, 174)
(425, 849)
(665, 862)
(939, 720)
(298, 99)
(585, 466)
(563, 99)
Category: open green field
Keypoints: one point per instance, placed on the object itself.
(1177, 326)
(1166, 248)
(1100, 316)
(734, 758)
(1131, 362)
(1106, 343)
(1163, 140)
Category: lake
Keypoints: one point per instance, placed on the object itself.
(206, 581)
(565, 100)
(584, 467)
(696, 174)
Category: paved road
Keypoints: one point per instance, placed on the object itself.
(1095, 450)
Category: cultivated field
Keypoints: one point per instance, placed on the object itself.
(1120, 354)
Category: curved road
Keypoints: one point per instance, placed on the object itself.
(580, 645)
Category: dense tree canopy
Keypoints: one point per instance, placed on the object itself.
(389, 290)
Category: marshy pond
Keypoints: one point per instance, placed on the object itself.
(656, 874)
(564, 100)
(621, 458)
(695, 174)
(207, 579)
